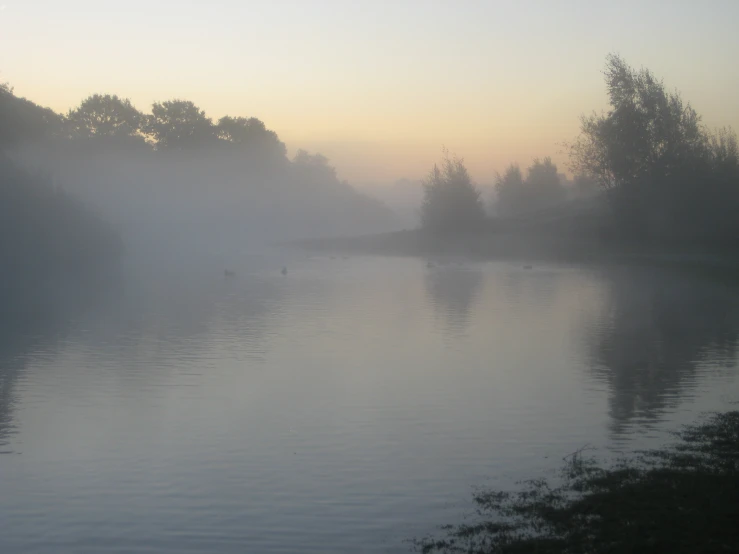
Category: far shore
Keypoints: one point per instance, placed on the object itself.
(523, 246)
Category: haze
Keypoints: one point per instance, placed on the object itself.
(377, 87)
(331, 276)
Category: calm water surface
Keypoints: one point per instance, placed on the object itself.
(347, 406)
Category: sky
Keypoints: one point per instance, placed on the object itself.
(380, 87)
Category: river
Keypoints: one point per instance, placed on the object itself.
(347, 406)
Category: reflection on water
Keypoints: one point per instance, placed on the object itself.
(453, 291)
(654, 331)
(14, 347)
(36, 323)
(343, 407)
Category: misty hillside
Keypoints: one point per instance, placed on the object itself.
(173, 178)
(47, 236)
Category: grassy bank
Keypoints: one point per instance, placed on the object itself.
(679, 499)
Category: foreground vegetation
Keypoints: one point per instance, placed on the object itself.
(682, 498)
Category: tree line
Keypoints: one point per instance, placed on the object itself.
(44, 231)
(175, 171)
(111, 120)
(664, 176)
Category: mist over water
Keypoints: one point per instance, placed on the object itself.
(199, 354)
(179, 206)
(348, 405)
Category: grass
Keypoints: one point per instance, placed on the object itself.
(680, 499)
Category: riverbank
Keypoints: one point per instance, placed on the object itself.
(524, 246)
(679, 499)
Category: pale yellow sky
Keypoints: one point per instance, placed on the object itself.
(378, 87)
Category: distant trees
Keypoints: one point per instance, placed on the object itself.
(235, 172)
(314, 167)
(511, 193)
(543, 181)
(180, 124)
(540, 189)
(251, 134)
(21, 120)
(172, 125)
(667, 177)
(105, 115)
(451, 201)
(42, 229)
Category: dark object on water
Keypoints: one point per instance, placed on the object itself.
(228, 273)
(284, 271)
(430, 264)
(527, 267)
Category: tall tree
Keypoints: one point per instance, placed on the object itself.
(511, 194)
(545, 188)
(659, 165)
(646, 129)
(451, 201)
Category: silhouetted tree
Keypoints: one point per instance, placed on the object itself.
(314, 169)
(724, 153)
(22, 120)
(451, 201)
(666, 176)
(105, 115)
(252, 135)
(542, 188)
(180, 124)
(511, 197)
(545, 187)
(258, 188)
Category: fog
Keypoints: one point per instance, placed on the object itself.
(176, 186)
(198, 203)
(206, 342)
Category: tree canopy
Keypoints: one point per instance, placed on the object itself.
(180, 125)
(540, 189)
(22, 120)
(251, 133)
(451, 201)
(666, 175)
(105, 115)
